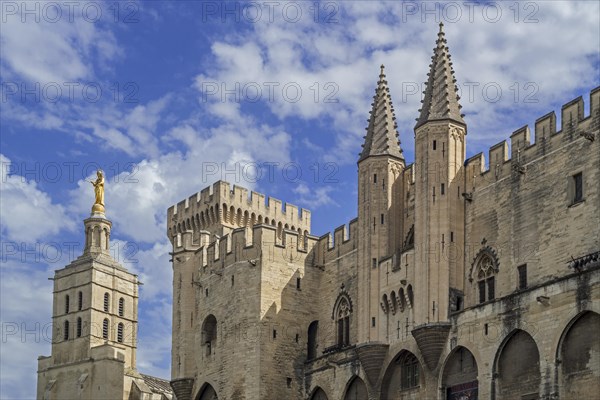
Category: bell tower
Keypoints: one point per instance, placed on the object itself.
(95, 321)
(380, 220)
(439, 220)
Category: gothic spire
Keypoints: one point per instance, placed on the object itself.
(441, 98)
(382, 134)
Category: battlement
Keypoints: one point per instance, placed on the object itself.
(505, 159)
(244, 244)
(343, 240)
(220, 208)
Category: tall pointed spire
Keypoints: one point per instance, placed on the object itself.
(382, 135)
(441, 95)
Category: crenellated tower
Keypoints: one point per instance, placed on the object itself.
(380, 223)
(439, 155)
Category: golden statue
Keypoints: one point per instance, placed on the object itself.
(98, 206)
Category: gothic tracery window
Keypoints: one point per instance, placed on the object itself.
(486, 279)
(343, 322)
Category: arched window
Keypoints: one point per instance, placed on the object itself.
(121, 307)
(485, 279)
(66, 304)
(120, 328)
(106, 302)
(105, 328)
(79, 323)
(209, 334)
(401, 299)
(384, 303)
(411, 296)
(409, 371)
(66, 332)
(80, 300)
(343, 322)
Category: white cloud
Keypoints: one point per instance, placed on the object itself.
(314, 197)
(43, 50)
(349, 52)
(26, 298)
(28, 213)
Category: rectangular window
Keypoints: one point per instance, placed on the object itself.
(578, 187)
(374, 263)
(373, 321)
(442, 191)
(274, 333)
(381, 219)
(491, 288)
(383, 181)
(522, 276)
(482, 291)
(232, 280)
(434, 144)
(297, 283)
(452, 236)
(374, 178)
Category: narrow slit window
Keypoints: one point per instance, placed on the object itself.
(434, 145)
(522, 270)
(578, 186)
(66, 332)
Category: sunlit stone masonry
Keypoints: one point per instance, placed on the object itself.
(459, 279)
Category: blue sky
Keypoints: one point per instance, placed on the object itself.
(167, 97)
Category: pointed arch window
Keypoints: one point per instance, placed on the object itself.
(67, 304)
(343, 313)
(486, 281)
(409, 371)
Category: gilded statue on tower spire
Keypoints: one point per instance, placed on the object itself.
(98, 207)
